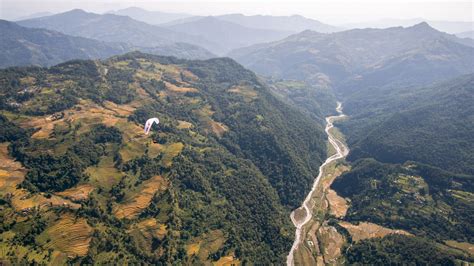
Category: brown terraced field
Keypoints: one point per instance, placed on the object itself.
(137, 202)
(69, 235)
(77, 193)
(367, 230)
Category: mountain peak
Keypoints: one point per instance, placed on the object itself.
(422, 26)
(76, 11)
(133, 8)
(74, 14)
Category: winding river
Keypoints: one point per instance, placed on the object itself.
(341, 151)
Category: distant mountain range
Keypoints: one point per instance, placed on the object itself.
(150, 17)
(22, 46)
(111, 28)
(215, 35)
(34, 15)
(25, 46)
(446, 26)
(359, 58)
(293, 23)
(227, 35)
(466, 34)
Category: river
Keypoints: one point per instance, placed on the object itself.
(341, 151)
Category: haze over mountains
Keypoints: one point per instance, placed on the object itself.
(466, 34)
(35, 15)
(293, 23)
(111, 28)
(363, 57)
(31, 46)
(150, 17)
(452, 27)
(217, 36)
(227, 35)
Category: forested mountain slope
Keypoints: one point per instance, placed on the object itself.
(412, 168)
(214, 181)
(433, 125)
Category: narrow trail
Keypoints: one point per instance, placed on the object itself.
(341, 151)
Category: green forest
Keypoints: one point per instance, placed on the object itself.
(411, 158)
(397, 250)
(432, 125)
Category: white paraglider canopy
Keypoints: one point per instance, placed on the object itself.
(149, 124)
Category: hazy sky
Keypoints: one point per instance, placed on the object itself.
(331, 11)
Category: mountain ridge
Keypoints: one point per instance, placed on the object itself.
(24, 46)
(111, 28)
(30, 46)
(358, 57)
(150, 17)
(228, 35)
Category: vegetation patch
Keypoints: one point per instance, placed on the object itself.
(12, 173)
(174, 88)
(227, 261)
(338, 206)
(402, 249)
(365, 230)
(417, 198)
(331, 243)
(24, 201)
(203, 246)
(147, 233)
(247, 92)
(77, 193)
(135, 204)
(104, 174)
(218, 128)
(184, 124)
(464, 246)
(69, 235)
(170, 151)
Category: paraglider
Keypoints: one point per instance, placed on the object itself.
(149, 124)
